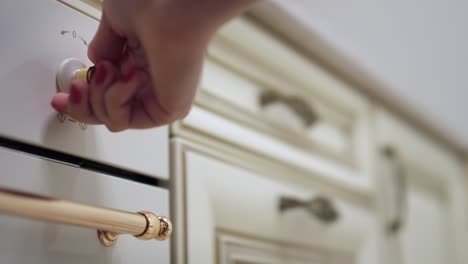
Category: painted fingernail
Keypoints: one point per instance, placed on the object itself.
(127, 77)
(100, 75)
(75, 94)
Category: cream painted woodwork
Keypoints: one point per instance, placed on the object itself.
(433, 220)
(238, 74)
(30, 241)
(218, 195)
(232, 159)
(48, 33)
(343, 155)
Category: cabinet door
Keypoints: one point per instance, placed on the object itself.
(232, 215)
(431, 214)
(426, 235)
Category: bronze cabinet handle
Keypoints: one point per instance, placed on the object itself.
(109, 223)
(296, 104)
(320, 207)
(397, 177)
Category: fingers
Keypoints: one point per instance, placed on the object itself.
(106, 100)
(110, 96)
(104, 76)
(119, 100)
(75, 104)
(78, 104)
(106, 44)
(148, 112)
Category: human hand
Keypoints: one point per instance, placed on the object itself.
(149, 56)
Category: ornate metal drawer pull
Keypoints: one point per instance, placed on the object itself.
(109, 223)
(320, 207)
(298, 105)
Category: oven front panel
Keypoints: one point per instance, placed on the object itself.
(36, 37)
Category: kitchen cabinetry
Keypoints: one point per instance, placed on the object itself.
(236, 211)
(279, 161)
(245, 144)
(431, 195)
(270, 100)
(270, 132)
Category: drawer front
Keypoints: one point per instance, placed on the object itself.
(273, 90)
(30, 241)
(285, 94)
(36, 37)
(225, 199)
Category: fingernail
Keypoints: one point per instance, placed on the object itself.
(127, 77)
(75, 94)
(100, 75)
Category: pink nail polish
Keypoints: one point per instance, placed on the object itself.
(127, 77)
(75, 94)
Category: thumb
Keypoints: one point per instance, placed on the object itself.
(106, 44)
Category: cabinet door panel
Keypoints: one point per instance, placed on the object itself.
(426, 235)
(225, 198)
(433, 229)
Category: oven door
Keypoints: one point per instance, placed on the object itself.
(24, 240)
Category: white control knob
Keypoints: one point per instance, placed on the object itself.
(69, 70)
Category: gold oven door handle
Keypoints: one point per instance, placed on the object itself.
(109, 223)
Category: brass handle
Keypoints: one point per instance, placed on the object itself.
(298, 105)
(395, 218)
(109, 223)
(320, 207)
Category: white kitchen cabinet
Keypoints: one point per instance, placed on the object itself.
(36, 37)
(24, 240)
(227, 210)
(269, 124)
(432, 214)
(271, 100)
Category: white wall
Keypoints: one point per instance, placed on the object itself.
(418, 47)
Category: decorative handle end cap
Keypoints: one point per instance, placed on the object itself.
(165, 228)
(159, 228)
